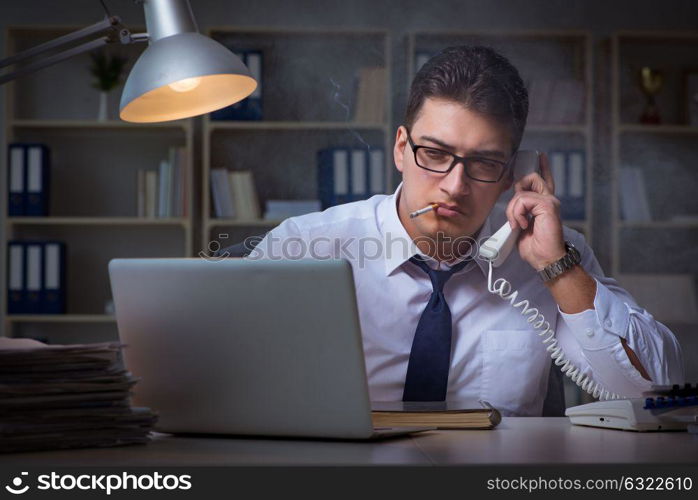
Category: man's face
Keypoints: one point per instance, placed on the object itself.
(449, 126)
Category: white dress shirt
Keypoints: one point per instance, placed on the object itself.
(496, 355)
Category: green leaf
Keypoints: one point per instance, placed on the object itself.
(106, 69)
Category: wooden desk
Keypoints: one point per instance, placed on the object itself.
(514, 441)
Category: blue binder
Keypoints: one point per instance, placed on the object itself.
(16, 180)
(53, 278)
(359, 174)
(16, 275)
(250, 108)
(34, 277)
(253, 60)
(37, 179)
(376, 171)
(334, 177)
(325, 179)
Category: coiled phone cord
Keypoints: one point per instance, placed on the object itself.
(503, 288)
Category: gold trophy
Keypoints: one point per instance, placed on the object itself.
(651, 81)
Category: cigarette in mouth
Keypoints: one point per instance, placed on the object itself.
(424, 210)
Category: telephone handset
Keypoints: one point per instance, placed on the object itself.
(498, 247)
(496, 250)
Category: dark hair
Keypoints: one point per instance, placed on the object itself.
(481, 79)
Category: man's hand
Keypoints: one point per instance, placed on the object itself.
(541, 242)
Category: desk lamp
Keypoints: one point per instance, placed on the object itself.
(181, 74)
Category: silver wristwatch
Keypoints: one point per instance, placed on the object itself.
(570, 259)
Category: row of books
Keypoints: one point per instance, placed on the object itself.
(36, 277)
(346, 174)
(28, 179)
(251, 107)
(569, 173)
(234, 194)
(370, 95)
(163, 192)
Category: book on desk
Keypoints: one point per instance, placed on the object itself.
(439, 414)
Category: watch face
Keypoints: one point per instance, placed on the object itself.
(576, 256)
(570, 259)
(572, 252)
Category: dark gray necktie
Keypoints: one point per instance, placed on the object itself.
(430, 358)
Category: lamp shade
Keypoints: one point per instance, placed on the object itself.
(183, 75)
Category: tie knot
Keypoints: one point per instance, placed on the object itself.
(438, 278)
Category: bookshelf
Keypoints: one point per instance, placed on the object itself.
(538, 55)
(62, 318)
(308, 104)
(93, 188)
(656, 257)
(664, 153)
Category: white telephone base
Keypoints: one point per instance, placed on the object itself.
(631, 415)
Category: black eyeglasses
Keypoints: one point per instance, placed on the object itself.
(478, 168)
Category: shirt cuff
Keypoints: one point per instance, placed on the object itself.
(602, 326)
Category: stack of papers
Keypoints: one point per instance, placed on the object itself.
(67, 396)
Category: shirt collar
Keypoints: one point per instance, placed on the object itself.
(399, 247)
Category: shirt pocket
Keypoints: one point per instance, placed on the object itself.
(514, 371)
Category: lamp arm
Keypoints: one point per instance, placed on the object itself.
(115, 32)
(56, 58)
(108, 23)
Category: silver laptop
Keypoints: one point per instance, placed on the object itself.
(237, 346)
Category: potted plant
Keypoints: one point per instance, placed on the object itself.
(107, 71)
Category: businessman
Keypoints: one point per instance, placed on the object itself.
(431, 329)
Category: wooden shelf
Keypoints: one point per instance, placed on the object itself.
(657, 129)
(280, 125)
(500, 33)
(242, 223)
(578, 129)
(661, 36)
(111, 124)
(658, 224)
(60, 318)
(96, 221)
(282, 31)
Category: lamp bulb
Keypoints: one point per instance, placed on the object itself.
(185, 85)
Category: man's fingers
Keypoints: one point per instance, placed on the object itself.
(532, 182)
(516, 212)
(526, 202)
(541, 182)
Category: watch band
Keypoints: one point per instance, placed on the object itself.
(567, 262)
